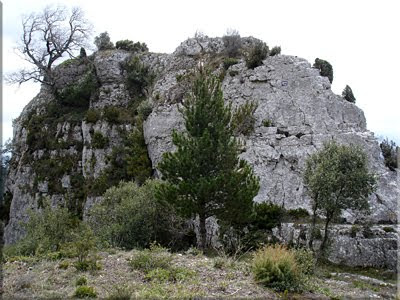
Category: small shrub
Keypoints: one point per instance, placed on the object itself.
(78, 95)
(275, 267)
(131, 217)
(194, 251)
(129, 45)
(92, 116)
(85, 291)
(111, 114)
(275, 51)
(325, 68)
(171, 274)
(348, 94)
(99, 141)
(149, 259)
(256, 55)
(227, 62)
(243, 118)
(139, 77)
(388, 229)
(305, 261)
(103, 42)
(389, 153)
(232, 43)
(89, 264)
(120, 293)
(81, 281)
(144, 109)
(267, 215)
(267, 123)
(46, 231)
(298, 214)
(219, 263)
(63, 265)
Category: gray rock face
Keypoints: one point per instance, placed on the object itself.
(351, 245)
(299, 105)
(304, 113)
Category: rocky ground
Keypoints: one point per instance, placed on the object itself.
(201, 277)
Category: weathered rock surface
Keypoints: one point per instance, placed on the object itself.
(299, 104)
(351, 245)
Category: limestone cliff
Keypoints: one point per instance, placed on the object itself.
(65, 150)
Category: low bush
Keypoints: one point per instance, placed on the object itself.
(267, 123)
(243, 118)
(388, 229)
(305, 261)
(46, 231)
(256, 55)
(131, 217)
(79, 94)
(63, 265)
(99, 141)
(111, 114)
(147, 260)
(275, 51)
(138, 77)
(122, 292)
(275, 267)
(144, 109)
(85, 291)
(92, 116)
(129, 45)
(172, 274)
(227, 62)
(266, 216)
(81, 281)
(325, 68)
(88, 264)
(298, 214)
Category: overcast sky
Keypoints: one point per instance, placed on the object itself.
(359, 39)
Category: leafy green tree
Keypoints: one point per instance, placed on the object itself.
(325, 68)
(348, 94)
(337, 178)
(103, 41)
(204, 176)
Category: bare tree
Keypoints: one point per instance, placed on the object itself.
(47, 36)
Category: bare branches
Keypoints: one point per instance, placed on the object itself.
(48, 36)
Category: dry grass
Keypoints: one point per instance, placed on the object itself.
(224, 279)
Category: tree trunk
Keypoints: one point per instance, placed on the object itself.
(314, 220)
(203, 231)
(323, 245)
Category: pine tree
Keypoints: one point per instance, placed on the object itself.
(348, 94)
(205, 176)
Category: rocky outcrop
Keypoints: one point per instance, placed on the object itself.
(297, 112)
(303, 113)
(351, 245)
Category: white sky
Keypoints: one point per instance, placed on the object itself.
(359, 39)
